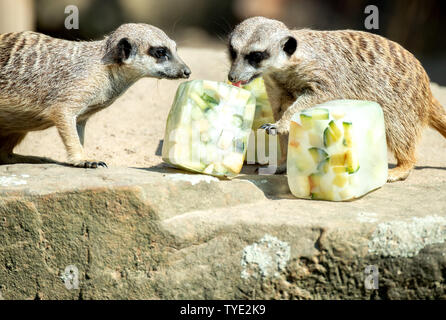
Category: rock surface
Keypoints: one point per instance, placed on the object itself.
(151, 232)
(159, 233)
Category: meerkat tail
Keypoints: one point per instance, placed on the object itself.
(437, 118)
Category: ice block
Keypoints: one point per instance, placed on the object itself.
(208, 128)
(263, 114)
(337, 150)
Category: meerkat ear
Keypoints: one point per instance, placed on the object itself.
(122, 52)
(125, 51)
(290, 45)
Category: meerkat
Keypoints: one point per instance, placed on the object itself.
(48, 82)
(302, 68)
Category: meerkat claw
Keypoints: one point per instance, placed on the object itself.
(91, 164)
(271, 129)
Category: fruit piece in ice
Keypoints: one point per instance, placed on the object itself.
(296, 131)
(305, 162)
(211, 101)
(337, 114)
(324, 166)
(306, 121)
(317, 196)
(339, 169)
(337, 159)
(340, 180)
(315, 139)
(315, 180)
(319, 114)
(318, 154)
(331, 134)
(301, 186)
(239, 146)
(225, 140)
(347, 134)
(351, 161)
(209, 169)
(234, 162)
(219, 168)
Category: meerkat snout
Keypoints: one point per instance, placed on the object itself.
(48, 82)
(255, 46)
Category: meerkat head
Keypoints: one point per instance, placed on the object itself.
(145, 51)
(256, 45)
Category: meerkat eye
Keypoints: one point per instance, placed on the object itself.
(159, 53)
(232, 53)
(255, 57)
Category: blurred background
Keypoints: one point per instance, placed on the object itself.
(419, 25)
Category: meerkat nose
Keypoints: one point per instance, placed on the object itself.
(231, 78)
(186, 72)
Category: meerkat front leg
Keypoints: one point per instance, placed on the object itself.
(68, 130)
(282, 126)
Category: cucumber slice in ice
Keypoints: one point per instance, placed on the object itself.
(324, 166)
(211, 101)
(331, 134)
(318, 154)
(347, 134)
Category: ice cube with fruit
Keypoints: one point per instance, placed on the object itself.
(208, 128)
(337, 150)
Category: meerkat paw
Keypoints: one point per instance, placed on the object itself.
(270, 129)
(397, 174)
(90, 164)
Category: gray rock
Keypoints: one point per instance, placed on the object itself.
(160, 233)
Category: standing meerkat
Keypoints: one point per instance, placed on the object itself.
(48, 82)
(302, 68)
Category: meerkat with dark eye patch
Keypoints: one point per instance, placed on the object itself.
(48, 82)
(302, 68)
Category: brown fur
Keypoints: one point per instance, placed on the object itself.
(48, 82)
(329, 65)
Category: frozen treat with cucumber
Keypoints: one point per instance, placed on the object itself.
(258, 148)
(208, 128)
(337, 150)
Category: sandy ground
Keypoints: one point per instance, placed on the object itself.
(128, 133)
